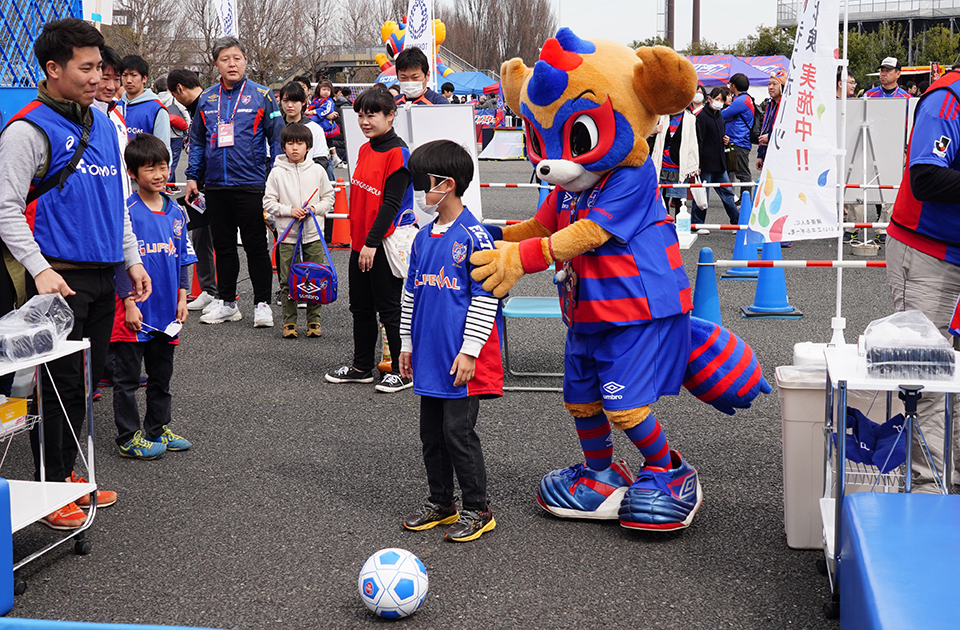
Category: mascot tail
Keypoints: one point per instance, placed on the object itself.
(722, 370)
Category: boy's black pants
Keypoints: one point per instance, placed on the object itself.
(93, 310)
(450, 443)
(157, 356)
(229, 210)
(374, 292)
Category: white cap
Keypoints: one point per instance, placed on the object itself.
(890, 62)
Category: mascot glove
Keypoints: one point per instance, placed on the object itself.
(499, 269)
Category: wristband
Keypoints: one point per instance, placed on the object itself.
(531, 256)
(550, 247)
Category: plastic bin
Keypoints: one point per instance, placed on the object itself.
(802, 391)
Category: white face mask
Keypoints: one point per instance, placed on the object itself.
(717, 105)
(698, 98)
(411, 89)
(420, 198)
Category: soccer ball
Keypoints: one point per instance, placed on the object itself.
(393, 583)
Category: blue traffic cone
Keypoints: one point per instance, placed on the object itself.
(770, 300)
(544, 191)
(744, 247)
(706, 296)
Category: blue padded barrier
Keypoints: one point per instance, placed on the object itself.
(6, 550)
(41, 624)
(900, 559)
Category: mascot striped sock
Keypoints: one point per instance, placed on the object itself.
(649, 438)
(596, 441)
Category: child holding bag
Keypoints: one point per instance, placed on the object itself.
(297, 187)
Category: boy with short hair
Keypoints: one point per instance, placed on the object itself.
(143, 110)
(452, 325)
(413, 74)
(295, 185)
(148, 334)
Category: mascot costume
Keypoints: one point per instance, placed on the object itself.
(624, 293)
(393, 35)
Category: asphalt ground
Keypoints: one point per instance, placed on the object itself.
(293, 482)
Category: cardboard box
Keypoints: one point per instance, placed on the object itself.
(13, 412)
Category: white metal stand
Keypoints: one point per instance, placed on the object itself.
(32, 500)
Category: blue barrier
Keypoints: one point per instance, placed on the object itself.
(7, 623)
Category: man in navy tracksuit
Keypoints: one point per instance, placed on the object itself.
(739, 119)
(234, 139)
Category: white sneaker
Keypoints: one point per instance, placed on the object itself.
(225, 312)
(203, 300)
(212, 306)
(262, 316)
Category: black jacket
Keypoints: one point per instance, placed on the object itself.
(711, 129)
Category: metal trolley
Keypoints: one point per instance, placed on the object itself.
(32, 500)
(846, 371)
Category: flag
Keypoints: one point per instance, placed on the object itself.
(501, 112)
(228, 17)
(797, 194)
(419, 32)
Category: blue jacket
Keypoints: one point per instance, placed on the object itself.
(739, 118)
(257, 122)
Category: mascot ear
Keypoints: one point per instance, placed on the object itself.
(513, 74)
(664, 81)
(439, 31)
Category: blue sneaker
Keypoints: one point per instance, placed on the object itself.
(142, 448)
(172, 441)
(581, 492)
(662, 500)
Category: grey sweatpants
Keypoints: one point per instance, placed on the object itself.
(921, 282)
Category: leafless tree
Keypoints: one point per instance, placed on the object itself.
(488, 32)
(525, 25)
(204, 25)
(151, 29)
(316, 23)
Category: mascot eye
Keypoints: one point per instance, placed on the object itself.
(534, 144)
(584, 135)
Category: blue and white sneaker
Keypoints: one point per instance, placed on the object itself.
(662, 500)
(581, 492)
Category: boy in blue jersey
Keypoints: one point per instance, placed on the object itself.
(450, 333)
(147, 332)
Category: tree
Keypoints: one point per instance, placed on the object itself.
(488, 32)
(769, 40)
(938, 44)
(149, 28)
(656, 40)
(204, 24)
(865, 51)
(703, 47)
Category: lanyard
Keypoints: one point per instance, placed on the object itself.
(236, 105)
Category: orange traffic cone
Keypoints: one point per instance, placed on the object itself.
(341, 227)
(386, 360)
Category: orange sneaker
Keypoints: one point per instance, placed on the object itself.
(67, 517)
(104, 497)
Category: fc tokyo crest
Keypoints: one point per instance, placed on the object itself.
(459, 252)
(178, 227)
(245, 99)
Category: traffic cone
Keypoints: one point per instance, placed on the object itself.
(195, 289)
(706, 296)
(544, 191)
(744, 247)
(770, 300)
(386, 360)
(341, 227)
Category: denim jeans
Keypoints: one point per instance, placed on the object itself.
(726, 196)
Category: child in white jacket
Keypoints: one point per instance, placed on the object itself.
(295, 186)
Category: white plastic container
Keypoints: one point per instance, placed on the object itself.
(683, 218)
(802, 391)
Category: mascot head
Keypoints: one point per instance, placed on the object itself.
(590, 105)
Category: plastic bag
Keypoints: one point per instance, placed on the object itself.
(35, 328)
(907, 345)
(699, 194)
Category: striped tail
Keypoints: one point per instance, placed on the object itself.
(722, 370)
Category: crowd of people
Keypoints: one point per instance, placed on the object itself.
(85, 213)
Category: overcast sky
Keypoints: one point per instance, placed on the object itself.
(721, 21)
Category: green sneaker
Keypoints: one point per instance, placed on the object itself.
(142, 448)
(172, 441)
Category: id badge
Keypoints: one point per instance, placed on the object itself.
(568, 293)
(225, 134)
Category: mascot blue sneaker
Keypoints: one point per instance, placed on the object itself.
(581, 492)
(662, 499)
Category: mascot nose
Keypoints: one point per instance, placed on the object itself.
(544, 170)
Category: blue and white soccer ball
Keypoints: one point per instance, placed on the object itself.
(393, 583)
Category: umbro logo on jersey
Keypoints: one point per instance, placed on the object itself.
(940, 146)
